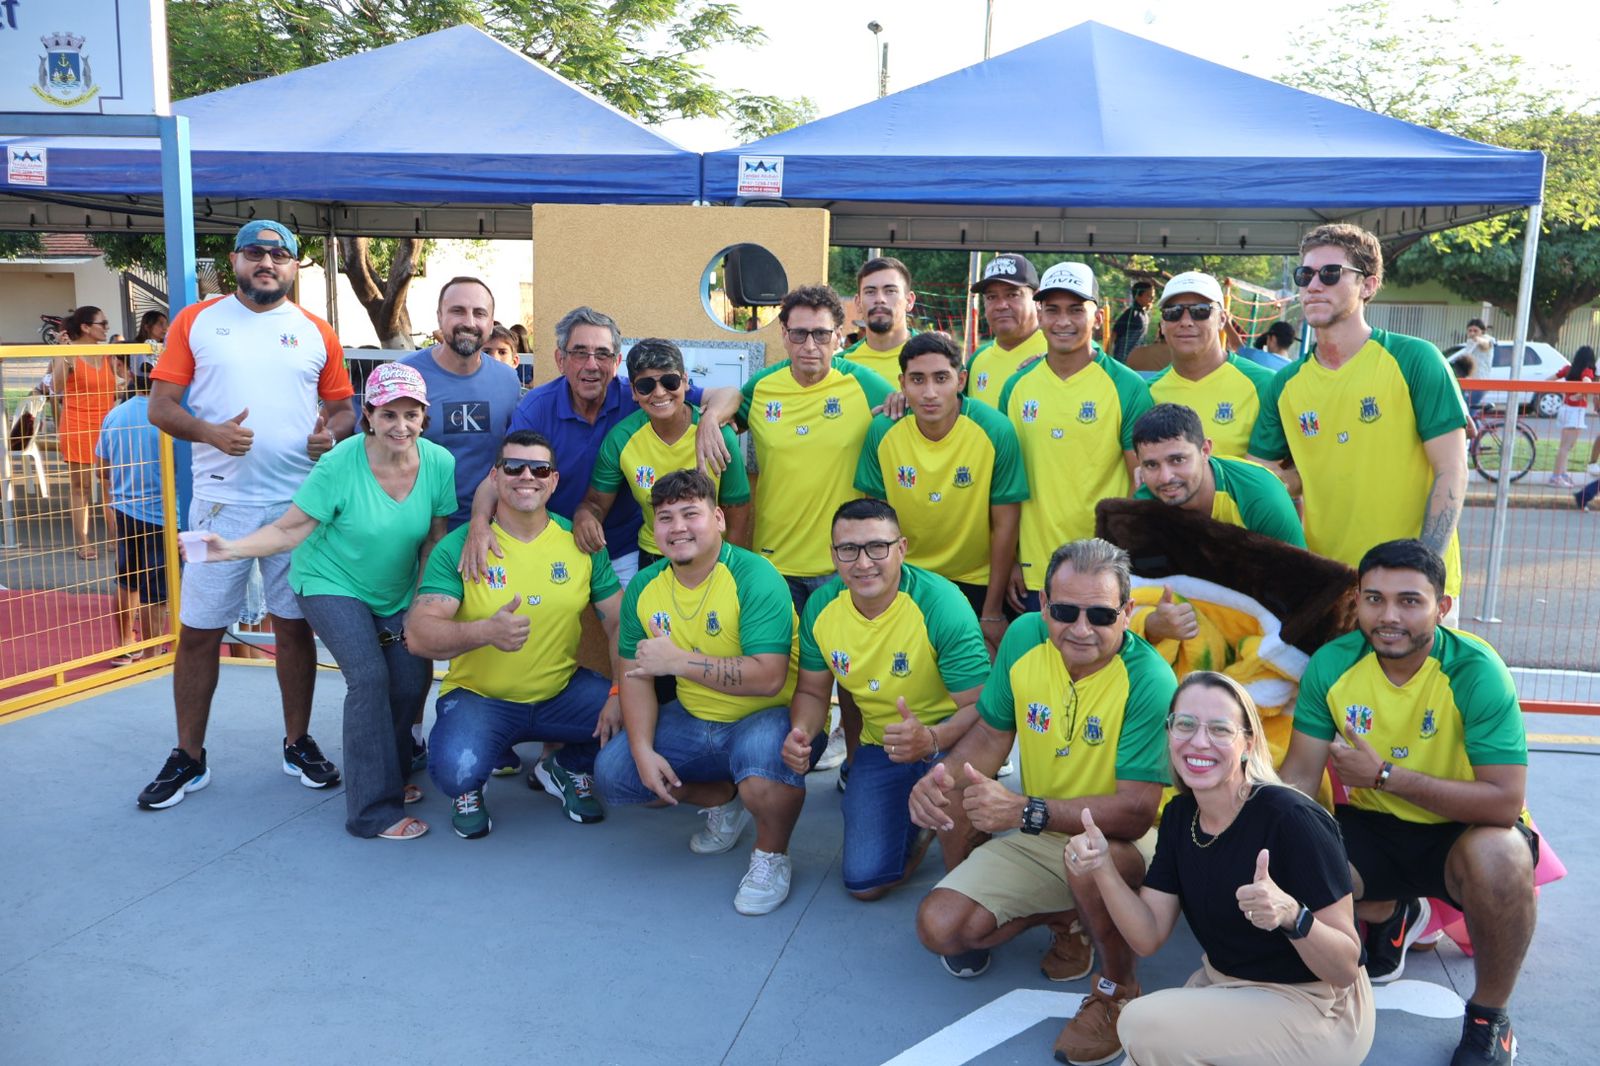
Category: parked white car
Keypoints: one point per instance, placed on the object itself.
(1540, 362)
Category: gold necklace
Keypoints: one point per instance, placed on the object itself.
(677, 608)
(1194, 830)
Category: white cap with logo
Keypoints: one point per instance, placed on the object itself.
(1192, 281)
(1075, 278)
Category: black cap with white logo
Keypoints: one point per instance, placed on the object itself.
(1010, 268)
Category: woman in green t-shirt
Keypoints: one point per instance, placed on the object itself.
(361, 527)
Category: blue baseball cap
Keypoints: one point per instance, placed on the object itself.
(250, 233)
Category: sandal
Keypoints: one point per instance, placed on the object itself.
(87, 552)
(122, 660)
(413, 794)
(405, 829)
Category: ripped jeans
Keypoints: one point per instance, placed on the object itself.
(471, 731)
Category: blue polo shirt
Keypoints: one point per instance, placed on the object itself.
(547, 409)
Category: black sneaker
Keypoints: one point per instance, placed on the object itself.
(1387, 942)
(844, 776)
(967, 963)
(303, 759)
(179, 777)
(419, 756)
(1485, 1038)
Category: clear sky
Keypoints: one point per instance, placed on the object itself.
(823, 49)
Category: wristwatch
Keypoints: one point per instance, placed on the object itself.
(1035, 816)
(1302, 924)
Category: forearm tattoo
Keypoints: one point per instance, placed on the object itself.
(723, 673)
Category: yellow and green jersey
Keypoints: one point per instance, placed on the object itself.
(1080, 738)
(553, 580)
(1458, 711)
(885, 364)
(633, 454)
(1356, 436)
(1227, 400)
(991, 366)
(1250, 497)
(1073, 435)
(742, 608)
(942, 489)
(808, 440)
(925, 646)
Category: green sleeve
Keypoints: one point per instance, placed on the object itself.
(1435, 397)
(1133, 394)
(603, 581)
(869, 471)
(630, 630)
(747, 392)
(1264, 503)
(735, 485)
(872, 383)
(810, 653)
(1011, 382)
(953, 631)
(997, 706)
(322, 493)
(1142, 745)
(1266, 436)
(441, 577)
(444, 479)
(1312, 715)
(1009, 482)
(607, 476)
(1490, 713)
(766, 610)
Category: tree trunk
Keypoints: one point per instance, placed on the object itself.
(385, 302)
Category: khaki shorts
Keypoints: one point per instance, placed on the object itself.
(1018, 875)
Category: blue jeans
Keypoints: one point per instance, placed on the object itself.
(701, 751)
(469, 730)
(878, 831)
(384, 686)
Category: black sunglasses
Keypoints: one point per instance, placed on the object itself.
(539, 468)
(1328, 275)
(1067, 613)
(1198, 312)
(254, 253)
(645, 386)
(800, 336)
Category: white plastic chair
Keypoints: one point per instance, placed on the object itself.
(34, 405)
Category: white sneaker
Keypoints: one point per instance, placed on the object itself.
(834, 753)
(765, 884)
(724, 826)
(1006, 769)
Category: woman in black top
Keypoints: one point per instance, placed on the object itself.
(1259, 871)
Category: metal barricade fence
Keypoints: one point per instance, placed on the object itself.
(88, 588)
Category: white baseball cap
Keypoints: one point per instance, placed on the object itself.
(1075, 278)
(1192, 281)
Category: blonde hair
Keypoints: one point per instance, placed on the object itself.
(1257, 756)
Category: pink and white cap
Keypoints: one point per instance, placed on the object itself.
(389, 382)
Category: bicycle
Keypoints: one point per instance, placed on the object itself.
(1486, 446)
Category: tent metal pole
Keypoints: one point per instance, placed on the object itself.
(1502, 489)
(177, 198)
(330, 274)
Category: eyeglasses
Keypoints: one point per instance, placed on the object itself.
(876, 550)
(254, 253)
(1198, 312)
(102, 323)
(1184, 726)
(539, 468)
(645, 386)
(1328, 275)
(1100, 617)
(800, 336)
(583, 355)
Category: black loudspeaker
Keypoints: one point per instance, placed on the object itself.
(754, 277)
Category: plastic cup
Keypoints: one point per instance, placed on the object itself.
(194, 546)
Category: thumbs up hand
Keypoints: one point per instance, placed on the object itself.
(1263, 903)
(508, 630)
(232, 437)
(320, 441)
(657, 655)
(1086, 852)
(930, 798)
(991, 807)
(908, 740)
(1171, 620)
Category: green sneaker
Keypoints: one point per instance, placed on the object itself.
(471, 817)
(576, 791)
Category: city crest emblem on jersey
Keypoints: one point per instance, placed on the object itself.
(496, 576)
(905, 476)
(1030, 410)
(558, 573)
(963, 477)
(841, 662)
(1369, 409)
(983, 380)
(831, 407)
(662, 621)
(1039, 717)
(713, 624)
(644, 476)
(1088, 413)
(774, 410)
(1430, 725)
(1224, 413)
(1309, 426)
(1358, 718)
(901, 667)
(1092, 731)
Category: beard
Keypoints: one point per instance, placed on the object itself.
(881, 322)
(273, 291)
(466, 342)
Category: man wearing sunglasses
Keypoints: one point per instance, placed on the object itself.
(267, 386)
(1373, 420)
(1085, 701)
(1007, 289)
(512, 642)
(1224, 389)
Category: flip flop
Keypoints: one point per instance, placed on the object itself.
(88, 553)
(413, 794)
(405, 829)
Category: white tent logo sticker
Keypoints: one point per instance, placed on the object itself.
(65, 78)
(760, 175)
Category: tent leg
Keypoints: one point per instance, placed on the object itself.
(330, 274)
(177, 198)
(1502, 489)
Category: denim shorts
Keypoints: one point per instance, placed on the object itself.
(878, 831)
(213, 594)
(471, 731)
(701, 751)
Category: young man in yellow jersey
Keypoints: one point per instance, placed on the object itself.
(512, 642)
(883, 289)
(720, 620)
(1073, 412)
(1085, 701)
(1225, 390)
(902, 641)
(1423, 726)
(1006, 288)
(953, 472)
(1373, 420)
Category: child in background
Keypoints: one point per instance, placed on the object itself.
(127, 457)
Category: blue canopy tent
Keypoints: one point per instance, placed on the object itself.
(448, 135)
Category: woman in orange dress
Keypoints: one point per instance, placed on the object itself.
(88, 386)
